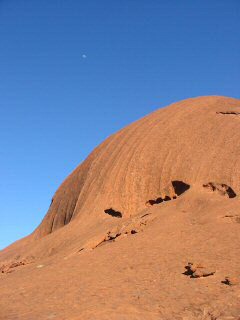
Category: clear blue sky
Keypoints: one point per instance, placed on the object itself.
(56, 104)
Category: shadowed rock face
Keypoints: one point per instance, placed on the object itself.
(187, 141)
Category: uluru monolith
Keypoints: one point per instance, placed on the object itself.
(124, 224)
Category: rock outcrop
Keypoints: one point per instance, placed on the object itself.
(123, 224)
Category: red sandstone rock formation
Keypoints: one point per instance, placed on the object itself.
(121, 227)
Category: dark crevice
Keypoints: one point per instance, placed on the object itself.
(51, 202)
(233, 217)
(113, 213)
(188, 271)
(235, 113)
(231, 193)
(133, 231)
(146, 214)
(52, 223)
(167, 198)
(180, 187)
(221, 188)
(156, 201)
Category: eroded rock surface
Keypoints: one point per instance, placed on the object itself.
(221, 189)
(198, 270)
(231, 281)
